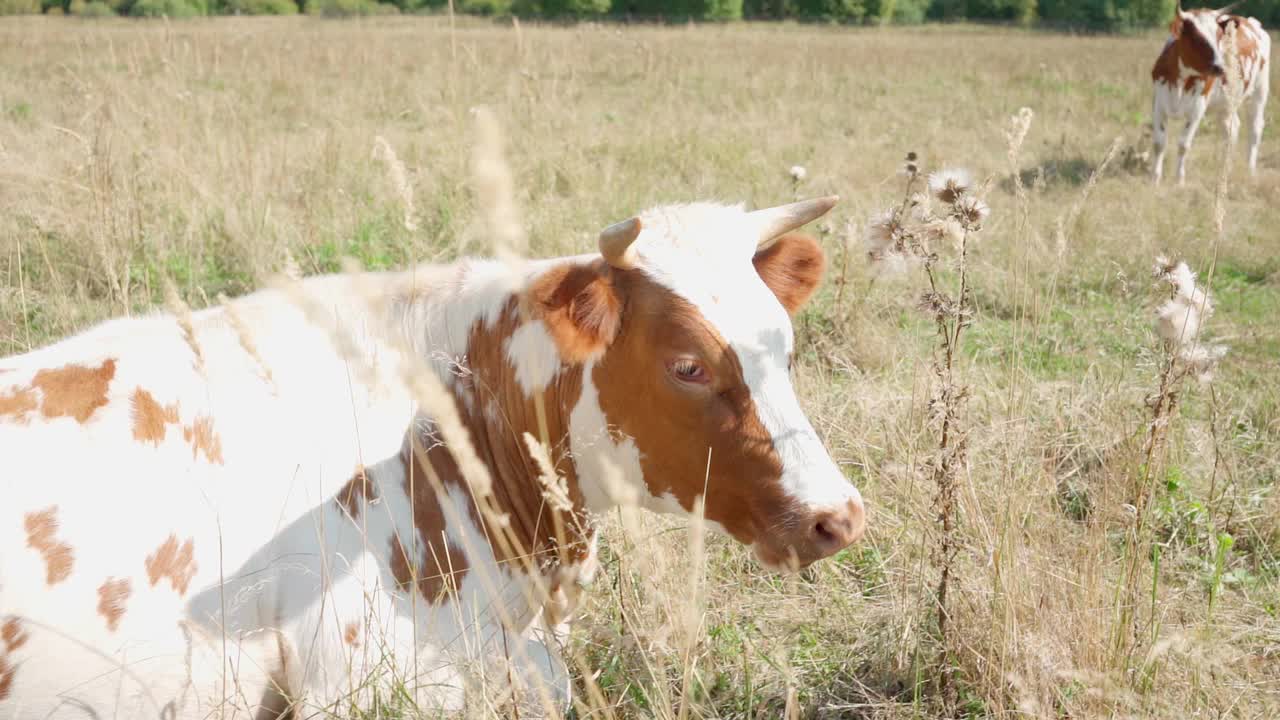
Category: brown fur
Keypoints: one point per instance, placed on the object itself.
(74, 390)
(173, 562)
(42, 528)
(12, 634)
(579, 307)
(442, 566)
(637, 395)
(150, 419)
(203, 439)
(792, 267)
(70, 391)
(7, 673)
(17, 403)
(358, 491)
(112, 595)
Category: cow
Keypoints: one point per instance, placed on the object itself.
(1188, 78)
(368, 483)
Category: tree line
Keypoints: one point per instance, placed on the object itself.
(1104, 15)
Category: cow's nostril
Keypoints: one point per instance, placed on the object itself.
(822, 531)
(833, 530)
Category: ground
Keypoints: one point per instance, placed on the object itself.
(215, 153)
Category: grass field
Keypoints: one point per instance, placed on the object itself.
(214, 153)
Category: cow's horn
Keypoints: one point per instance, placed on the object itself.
(616, 243)
(775, 221)
(1227, 8)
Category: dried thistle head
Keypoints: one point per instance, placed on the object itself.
(798, 173)
(1181, 317)
(950, 184)
(882, 231)
(910, 167)
(970, 211)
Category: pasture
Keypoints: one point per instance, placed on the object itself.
(1108, 559)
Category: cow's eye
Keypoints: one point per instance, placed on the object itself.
(687, 370)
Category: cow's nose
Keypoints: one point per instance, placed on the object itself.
(1218, 69)
(835, 529)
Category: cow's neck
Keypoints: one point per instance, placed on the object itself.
(499, 404)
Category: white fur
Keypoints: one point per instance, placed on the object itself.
(533, 354)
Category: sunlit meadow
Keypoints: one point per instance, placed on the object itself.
(1112, 520)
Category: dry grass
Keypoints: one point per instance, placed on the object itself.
(215, 153)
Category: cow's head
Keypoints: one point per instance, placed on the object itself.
(684, 327)
(1199, 37)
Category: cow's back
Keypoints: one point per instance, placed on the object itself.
(147, 459)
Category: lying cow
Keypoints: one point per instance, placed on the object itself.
(230, 513)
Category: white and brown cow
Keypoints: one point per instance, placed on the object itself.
(223, 514)
(1188, 78)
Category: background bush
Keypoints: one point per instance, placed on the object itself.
(1094, 15)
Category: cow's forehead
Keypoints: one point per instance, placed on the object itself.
(1207, 22)
(703, 253)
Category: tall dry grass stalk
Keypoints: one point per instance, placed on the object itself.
(399, 177)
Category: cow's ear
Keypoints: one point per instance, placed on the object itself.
(1175, 26)
(581, 307)
(792, 267)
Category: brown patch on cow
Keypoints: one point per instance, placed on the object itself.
(792, 267)
(150, 418)
(17, 402)
(358, 491)
(173, 562)
(496, 414)
(12, 634)
(13, 637)
(202, 437)
(74, 391)
(42, 529)
(579, 306)
(351, 634)
(674, 426)
(442, 566)
(112, 595)
(7, 672)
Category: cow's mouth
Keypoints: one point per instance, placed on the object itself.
(783, 563)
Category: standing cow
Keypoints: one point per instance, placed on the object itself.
(247, 510)
(1188, 77)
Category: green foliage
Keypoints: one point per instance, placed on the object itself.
(678, 10)
(834, 10)
(347, 8)
(560, 8)
(168, 8)
(483, 7)
(256, 7)
(91, 9)
(1106, 14)
(19, 7)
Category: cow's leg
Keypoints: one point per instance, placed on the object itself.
(1159, 135)
(1189, 134)
(1259, 104)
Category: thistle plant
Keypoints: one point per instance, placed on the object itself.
(1181, 314)
(938, 211)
